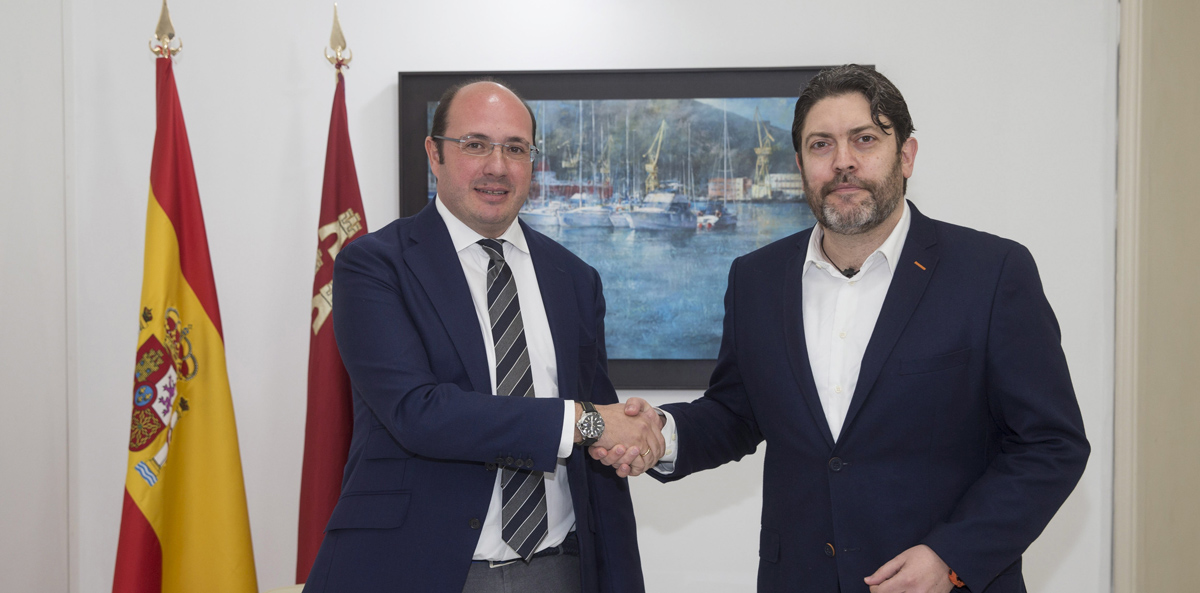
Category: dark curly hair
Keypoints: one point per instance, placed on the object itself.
(884, 97)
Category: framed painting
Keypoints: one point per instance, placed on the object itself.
(658, 179)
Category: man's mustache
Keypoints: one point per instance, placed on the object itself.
(845, 178)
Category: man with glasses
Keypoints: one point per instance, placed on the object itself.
(475, 346)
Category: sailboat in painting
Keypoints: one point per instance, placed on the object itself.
(720, 217)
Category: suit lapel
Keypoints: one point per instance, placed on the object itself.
(562, 311)
(797, 347)
(432, 259)
(908, 284)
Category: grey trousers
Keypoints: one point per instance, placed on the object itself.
(552, 574)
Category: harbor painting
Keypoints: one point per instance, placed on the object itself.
(660, 195)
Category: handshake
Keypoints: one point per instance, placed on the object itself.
(628, 436)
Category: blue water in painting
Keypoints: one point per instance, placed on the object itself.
(665, 289)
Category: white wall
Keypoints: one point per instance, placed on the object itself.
(33, 338)
(1015, 111)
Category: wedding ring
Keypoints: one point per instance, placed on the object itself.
(644, 453)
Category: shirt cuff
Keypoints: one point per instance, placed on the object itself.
(567, 441)
(666, 464)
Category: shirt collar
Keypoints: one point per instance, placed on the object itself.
(464, 236)
(889, 250)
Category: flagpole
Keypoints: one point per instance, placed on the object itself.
(184, 525)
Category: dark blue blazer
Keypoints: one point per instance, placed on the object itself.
(963, 433)
(427, 433)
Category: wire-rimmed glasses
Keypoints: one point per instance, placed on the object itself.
(483, 146)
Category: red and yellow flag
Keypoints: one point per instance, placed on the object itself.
(330, 411)
(184, 526)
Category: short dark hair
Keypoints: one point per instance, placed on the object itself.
(443, 108)
(884, 97)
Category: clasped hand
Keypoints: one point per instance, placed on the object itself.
(632, 442)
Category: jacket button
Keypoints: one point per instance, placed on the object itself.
(836, 464)
(499, 461)
(490, 466)
(828, 549)
(519, 462)
(508, 461)
(529, 463)
(474, 523)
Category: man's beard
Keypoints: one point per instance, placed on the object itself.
(882, 202)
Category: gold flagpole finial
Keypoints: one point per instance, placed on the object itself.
(337, 42)
(164, 34)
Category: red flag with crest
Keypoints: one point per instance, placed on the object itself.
(330, 414)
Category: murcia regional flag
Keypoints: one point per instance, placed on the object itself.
(330, 409)
(184, 526)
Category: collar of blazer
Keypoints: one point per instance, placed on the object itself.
(429, 254)
(916, 266)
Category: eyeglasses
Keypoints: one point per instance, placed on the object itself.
(479, 146)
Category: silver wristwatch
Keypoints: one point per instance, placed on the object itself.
(590, 425)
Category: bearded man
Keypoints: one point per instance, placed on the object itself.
(907, 373)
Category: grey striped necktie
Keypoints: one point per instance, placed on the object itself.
(523, 491)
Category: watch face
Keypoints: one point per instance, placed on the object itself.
(591, 425)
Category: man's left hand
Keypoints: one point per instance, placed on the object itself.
(917, 570)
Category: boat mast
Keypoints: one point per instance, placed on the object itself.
(725, 150)
(690, 189)
(594, 159)
(542, 181)
(627, 191)
(580, 173)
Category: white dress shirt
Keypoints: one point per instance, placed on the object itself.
(839, 317)
(560, 514)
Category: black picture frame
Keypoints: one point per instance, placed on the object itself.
(417, 89)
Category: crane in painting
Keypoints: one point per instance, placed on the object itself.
(761, 190)
(652, 158)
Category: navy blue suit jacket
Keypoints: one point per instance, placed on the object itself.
(963, 433)
(427, 433)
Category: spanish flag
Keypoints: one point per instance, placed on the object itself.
(184, 526)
